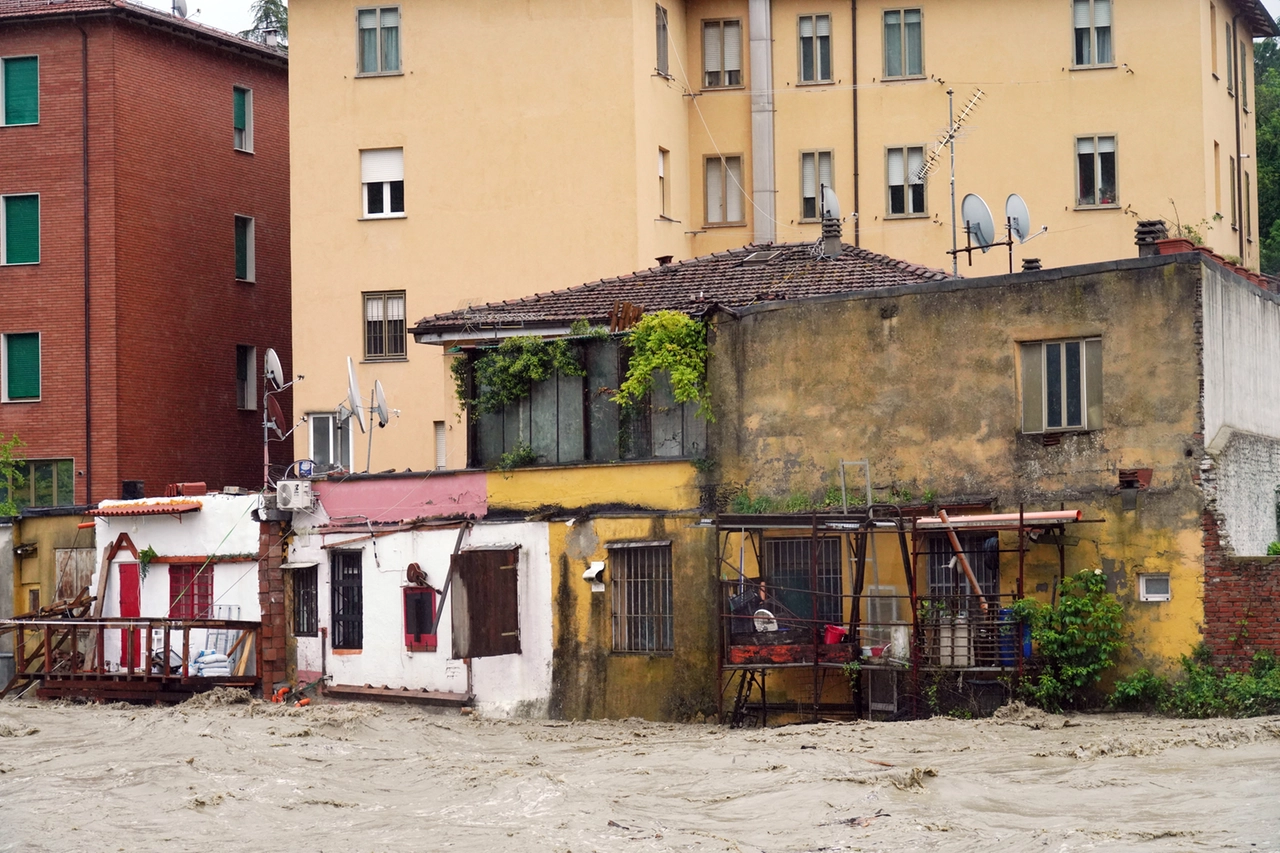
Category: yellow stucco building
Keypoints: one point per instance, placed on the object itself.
(447, 154)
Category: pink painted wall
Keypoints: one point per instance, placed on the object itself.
(401, 498)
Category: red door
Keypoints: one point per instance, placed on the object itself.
(130, 606)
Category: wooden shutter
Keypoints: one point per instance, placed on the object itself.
(22, 90)
(1032, 388)
(486, 603)
(419, 619)
(238, 108)
(22, 229)
(242, 248)
(23, 357)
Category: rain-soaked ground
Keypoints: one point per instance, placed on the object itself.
(348, 778)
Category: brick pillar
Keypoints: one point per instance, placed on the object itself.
(272, 654)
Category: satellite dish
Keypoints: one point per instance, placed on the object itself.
(275, 417)
(180, 8)
(977, 217)
(830, 204)
(354, 403)
(764, 621)
(1015, 209)
(380, 404)
(275, 373)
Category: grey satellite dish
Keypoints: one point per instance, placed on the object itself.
(977, 217)
(275, 418)
(1015, 209)
(180, 8)
(830, 204)
(353, 394)
(275, 373)
(380, 404)
(764, 621)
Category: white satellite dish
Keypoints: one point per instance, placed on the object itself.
(1015, 210)
(380, 404)
(830, 204)
(764, 621)
(180, 8)
(354, 403)
(977, 218)
(271, 365)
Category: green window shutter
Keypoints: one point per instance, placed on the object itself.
(1032, 388)
(238, 100)
(23, 357)
(242, 248)
(21, 229)
(22, 90)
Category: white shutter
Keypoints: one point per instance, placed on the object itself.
(711, 47)
(395, 308)
(1082, 14)
(733, 46)
(806, 28)
(824, 168)
(915, 164)
(381, 164)
(373, 310)
(1084, 146)
(1106, 145)
(895, 167)
(824, 25)
(715, 191)
(807, 177)
(662, 163)
(1102, 13)
(733, 190)
(441, 456)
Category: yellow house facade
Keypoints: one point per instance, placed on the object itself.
(448, 154)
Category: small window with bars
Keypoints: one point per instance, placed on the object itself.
(347, 587)
(305, 601)
(790, 576)
(948, 579)
(643, 617)
(384, 325)
(190, 591)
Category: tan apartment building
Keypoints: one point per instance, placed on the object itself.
(448, 154)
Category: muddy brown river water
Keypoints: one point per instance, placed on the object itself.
(350, 778)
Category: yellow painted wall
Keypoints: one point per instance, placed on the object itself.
(38, 571)
(656, 485)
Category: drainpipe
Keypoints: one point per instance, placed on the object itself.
(763, 190)
(1239, 211)
(84, 168)
(857, 220)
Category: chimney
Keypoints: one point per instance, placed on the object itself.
(663, 260)
(272, 36)
(1030, 264)
(1146, 235)
(831, 244)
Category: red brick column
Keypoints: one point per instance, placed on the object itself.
(1241, 601)
(272, 656)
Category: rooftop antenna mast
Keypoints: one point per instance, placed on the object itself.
(948, 140)
(272, 415)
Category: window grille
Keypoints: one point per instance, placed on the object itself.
(190, 591)
(789, 576)
(305, 609)
(643, 617)
(348, 600)
(982, 552)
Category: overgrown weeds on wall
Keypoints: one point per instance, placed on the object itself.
(507, 374)
(12, 473)
(1203, 690)
(676, 344)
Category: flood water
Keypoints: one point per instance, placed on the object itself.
(352, 778)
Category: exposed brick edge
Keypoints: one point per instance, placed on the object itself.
(1241, 600)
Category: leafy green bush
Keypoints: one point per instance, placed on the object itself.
(1273, 549)
(12, 466)
(1203, 690)
(676, 344)
(507, 374)
(519, 456)
(1077, 638)
(1142, 691)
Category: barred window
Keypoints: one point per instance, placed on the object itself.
(346, 574)
(643, 620)
(305, 588)
(789, 579)
(384, 325)
(982, 552)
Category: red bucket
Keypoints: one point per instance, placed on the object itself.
(834, 634)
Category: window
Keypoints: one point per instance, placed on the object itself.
(1217, 177)
(20, 229)
(21, 367)
(245, 261)
(382, 174)
(643, 618)
(41, 482)
(815, 173)
(20, 90)
(721, 54)
(330, 441)
(905, 181)
(815, 48)
(664, 162)
(384, 329)
(242, 118)
(190, 591)
(1062, 385)
(1231, 54)
(246, 373)
(981, 550)
(1248, 209)
(1231, 182)
(305, 595)
(724, 190)
(1093, 32)
(903, 45)
(379, 40)
(1154, 587)
(788, 579)
(1244, 75)
(420, 619)
(1213, 39)
(348, 600)
(663, 66)
(486, 603)
(1096, 171)
(441, 455)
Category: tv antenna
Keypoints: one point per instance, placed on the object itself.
(378, 407)
(272, 415)
(948, 140)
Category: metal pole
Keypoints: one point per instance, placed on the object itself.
(951, 133)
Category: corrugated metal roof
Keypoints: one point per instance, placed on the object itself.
(171, 508)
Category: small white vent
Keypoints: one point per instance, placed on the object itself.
(760, 257)
(293, 494)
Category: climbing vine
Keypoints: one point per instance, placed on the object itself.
(507, 374)
(676, 344)
(12, 466)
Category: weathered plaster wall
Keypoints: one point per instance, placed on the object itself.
(38, 571)
(8, 589)
(923, 381)
(652, 485)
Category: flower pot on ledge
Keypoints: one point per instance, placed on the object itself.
(1173, 246)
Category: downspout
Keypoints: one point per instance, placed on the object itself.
(1240, 75)
(763, 190)
(857, 220)
(84, 167)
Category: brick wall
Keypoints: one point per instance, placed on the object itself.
(1241, 600)
(273, 653)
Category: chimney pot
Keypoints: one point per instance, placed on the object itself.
(1031, 264)
(663, 260)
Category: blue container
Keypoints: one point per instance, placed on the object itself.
(1009, 629)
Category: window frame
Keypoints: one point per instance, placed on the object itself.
(1091, 418)
(246, 385)
(306, 601)
(817, 155)
(1144, 595)
(1093, 28)
(384, 296)
(662, 57)
(381, 71)
(420, 641)
(722, 166)
(795, 553)
(723, 72)
(1231, 182)
(1231, 61)
(902, 35)
(908, 198)
(5, 396)
(664, 186)
(246, 144)
(250, 249)
(817, 79)
(1097, 171)
(4, 229)
(4, 95)
(190, 590)
(28, 474)
(637, 630)
(386, 189)
(335, 433)
(346, 630)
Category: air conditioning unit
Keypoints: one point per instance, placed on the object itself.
(294, 494)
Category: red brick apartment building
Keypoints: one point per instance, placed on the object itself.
(144, 247)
